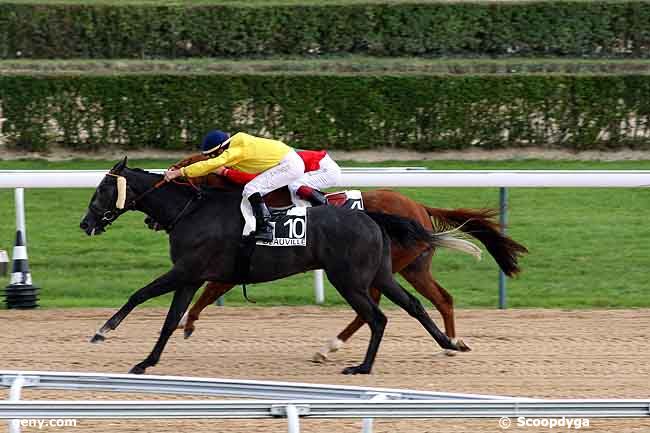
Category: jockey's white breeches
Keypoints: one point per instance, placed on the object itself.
(287, 171)
(326, 176)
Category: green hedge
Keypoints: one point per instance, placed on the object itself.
(317, 111)
(547, 28)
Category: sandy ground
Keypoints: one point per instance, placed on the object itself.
(532, 353)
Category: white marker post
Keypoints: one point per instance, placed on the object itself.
(319, 286)
(20, 293)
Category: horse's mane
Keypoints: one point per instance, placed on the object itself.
(210, 183)
(211, 191)
(214, 184)
(140, 170)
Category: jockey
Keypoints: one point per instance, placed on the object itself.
(320, 172)
(276, 163)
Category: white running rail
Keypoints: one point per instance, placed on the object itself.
(380, 177)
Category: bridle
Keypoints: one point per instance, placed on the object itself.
(121, 207)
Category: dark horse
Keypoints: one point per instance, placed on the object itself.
(412, 262)
(205, 241)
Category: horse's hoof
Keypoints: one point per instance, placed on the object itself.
(319, 358)
(356, 370)
(137, 370)
(450, 352)
(188, 333)
(461, 346)
(332, 346)
(97, 338)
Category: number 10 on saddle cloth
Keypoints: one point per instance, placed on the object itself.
(290, 227)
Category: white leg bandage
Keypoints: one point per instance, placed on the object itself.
(331, 346)
(183, 321)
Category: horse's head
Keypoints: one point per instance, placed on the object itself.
(108, 201)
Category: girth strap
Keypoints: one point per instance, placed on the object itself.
(243, 263)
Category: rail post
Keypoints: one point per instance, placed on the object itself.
(503, 221)
(367, 423)
(292, 412)
(14, 395)
(319, 287)
(293, 419)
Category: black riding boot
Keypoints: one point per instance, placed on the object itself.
(263, 229)
(313, 196)
(317, 198)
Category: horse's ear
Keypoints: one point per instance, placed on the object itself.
(119, 166)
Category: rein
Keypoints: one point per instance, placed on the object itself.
(154, 187)
(181, 214)
(110, 216)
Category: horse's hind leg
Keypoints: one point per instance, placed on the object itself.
(369, 312)
(211, 293)
(439, 297)
(396, 293)
(337, 342)
(418, 274)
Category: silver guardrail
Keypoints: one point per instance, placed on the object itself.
(216, 387)
(327, 409)
(282, 400)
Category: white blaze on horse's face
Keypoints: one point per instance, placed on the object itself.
(121, 190)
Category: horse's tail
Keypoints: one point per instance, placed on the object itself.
(407, 232)
(479, 224)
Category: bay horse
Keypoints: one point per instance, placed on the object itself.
(413, 263)
(205, 242)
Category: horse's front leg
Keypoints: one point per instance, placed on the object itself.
(181, 301)
(161, 285)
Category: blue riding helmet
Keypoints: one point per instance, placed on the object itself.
(213, 140)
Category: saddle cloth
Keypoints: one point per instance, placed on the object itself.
(350, 199)
(290, 224)
(289, 228)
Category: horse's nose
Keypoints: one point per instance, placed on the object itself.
(83, 225)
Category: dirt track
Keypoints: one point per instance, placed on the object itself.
(533, 353)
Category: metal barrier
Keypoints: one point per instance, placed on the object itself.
(233, 409)
(306, 402)
(16, 380)
(216, 387)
